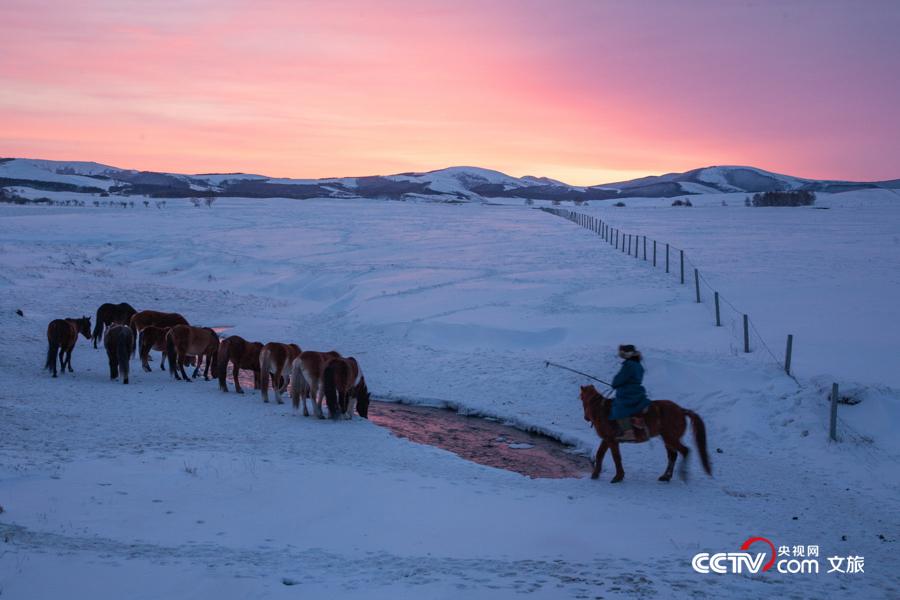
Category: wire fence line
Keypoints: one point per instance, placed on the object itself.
(674, 260)
(745, 337)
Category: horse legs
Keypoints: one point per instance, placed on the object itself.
(598, 460)
(673, 456)
(113, 368)
(351, 405)
(178, 365)
(182, 358)
(617, 458)
(318, 399)
(62, 361)
(278, 384)
(69, 358)
(162, 361)
(55, 356)
(682, 470)
(208, 363)
(234, 375)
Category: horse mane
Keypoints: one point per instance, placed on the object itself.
(597, 402)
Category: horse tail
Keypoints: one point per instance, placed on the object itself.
(699, 438)
(98, 328)
(222, 363)
(213, 358)
(52, 351)
(123, 348)
(296, 377)
(170, 353)
(134, 332)
(331, 397)
(264, 374)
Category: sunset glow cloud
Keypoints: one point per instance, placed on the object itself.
(583, 91)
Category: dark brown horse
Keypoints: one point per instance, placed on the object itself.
(119, 344)
(663, 418)
(61, 337)
(153, 338)
(184, 341)
(275, 361)
(109, 314)
(243, 355)
(345, 388)
(146, 318)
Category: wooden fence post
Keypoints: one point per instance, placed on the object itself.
(697, 284)
(645, 247)
(787, 353)
(667, 258)
(629, 244)
(718, 319)
(654, 253)
(682, 266)
(746, 333)
(832, 430)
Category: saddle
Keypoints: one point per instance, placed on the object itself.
(638, 432)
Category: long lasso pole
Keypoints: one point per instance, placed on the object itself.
(547, 363)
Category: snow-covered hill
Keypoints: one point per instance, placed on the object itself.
(453, 183)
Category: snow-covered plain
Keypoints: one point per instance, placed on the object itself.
(171, 489)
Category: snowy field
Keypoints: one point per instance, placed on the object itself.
(166, 489)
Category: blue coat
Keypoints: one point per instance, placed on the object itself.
(631, 397)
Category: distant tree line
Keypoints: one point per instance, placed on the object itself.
(792, 198)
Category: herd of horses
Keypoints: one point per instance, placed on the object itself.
(318, 377)
(314, 376)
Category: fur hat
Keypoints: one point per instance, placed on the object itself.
(627, 351)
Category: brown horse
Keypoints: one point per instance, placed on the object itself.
(61, 337)
(307, 371)
(663, 418)
(118, 344)
(184, 341)
(242, 355)
(111, 314)
(274, 362)
(344, 385)
(153, 338)
(145, 318)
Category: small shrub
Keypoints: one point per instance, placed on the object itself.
(792, 198)
(620, 203)
(687, 202)
(678, 203)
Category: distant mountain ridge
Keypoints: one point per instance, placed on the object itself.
(449, 184)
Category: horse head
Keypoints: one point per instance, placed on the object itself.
(84, 326)
(592, 402)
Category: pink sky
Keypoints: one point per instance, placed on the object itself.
(583, 91)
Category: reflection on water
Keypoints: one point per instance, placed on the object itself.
(485, 441)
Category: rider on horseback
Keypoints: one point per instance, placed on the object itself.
(631, 397)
